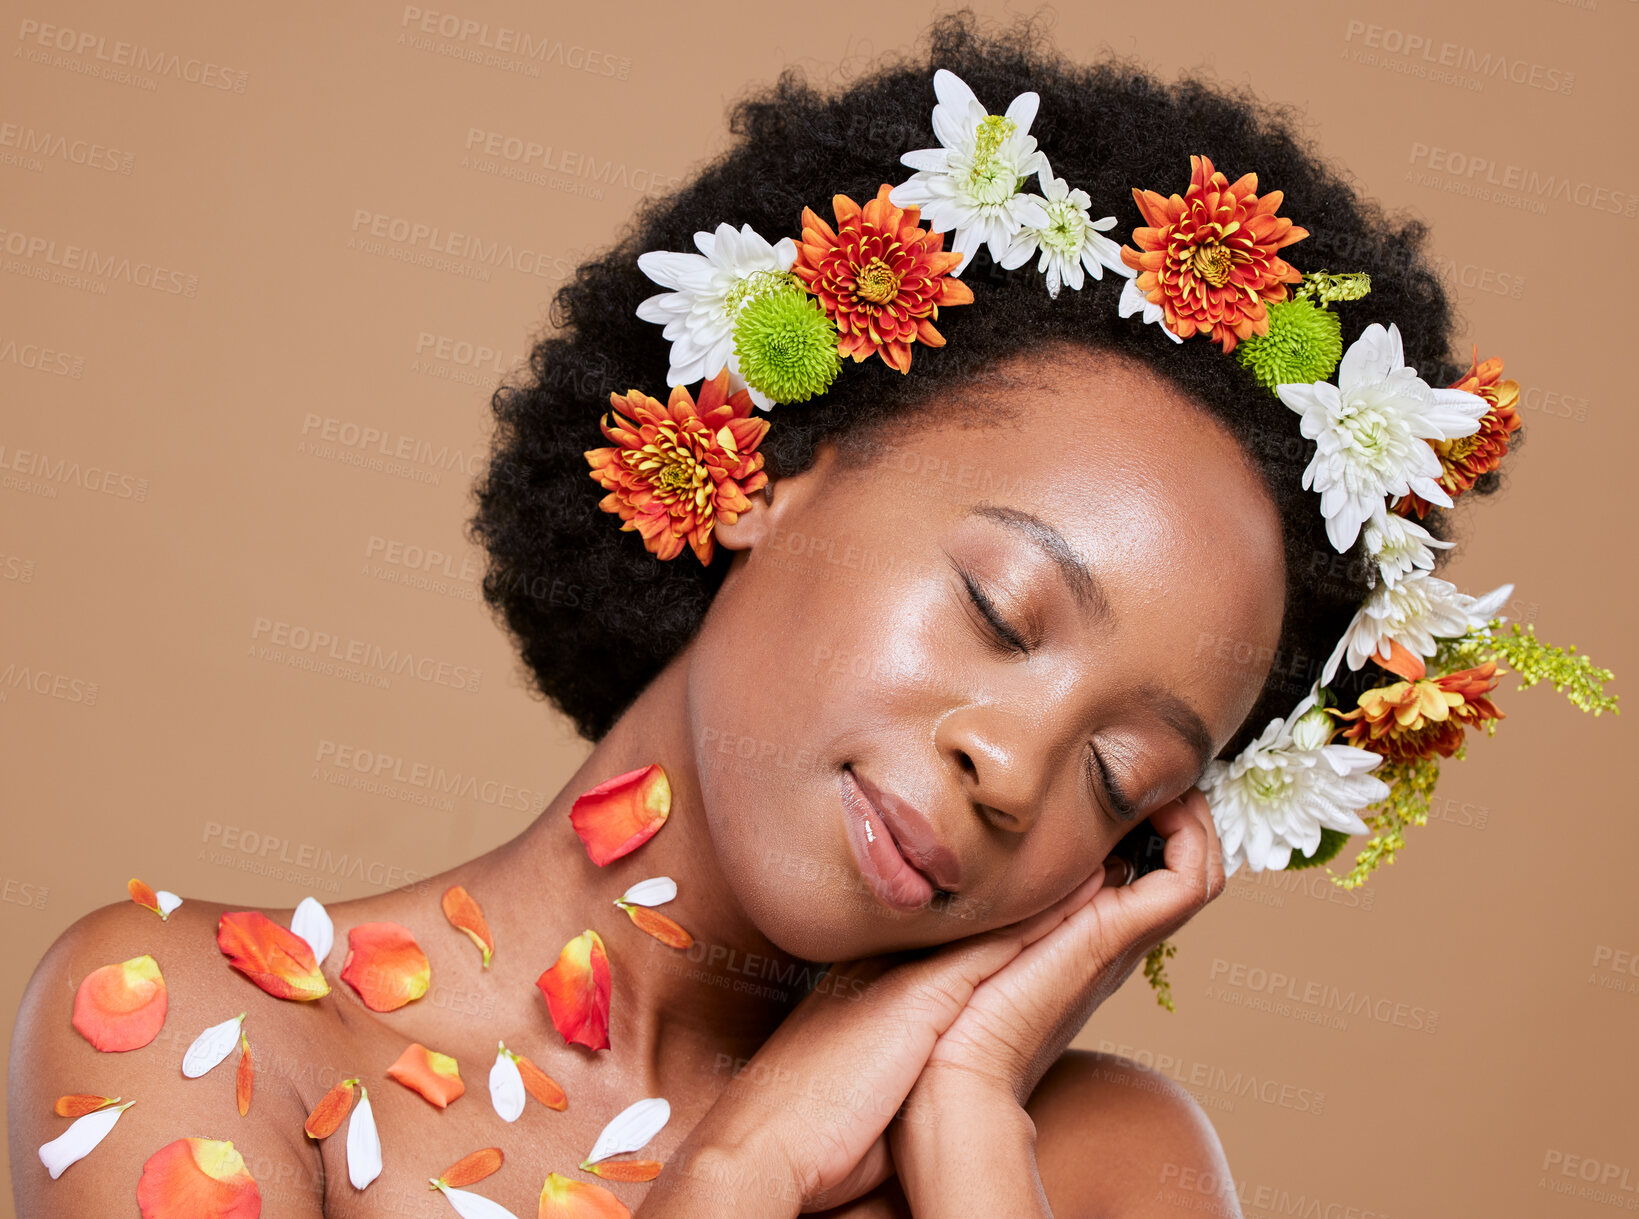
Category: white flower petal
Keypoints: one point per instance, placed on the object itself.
(506, 1086)
(211, 1047)
(363, 1143)
(631, 1128)
(473, 1206)
(167, 901)
(312, 923)
(929, 160)
(1022, 109)
(1485, 608)
(77, 1141)
(656, 891)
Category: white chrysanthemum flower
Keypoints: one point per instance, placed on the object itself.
(1418, 610)
(1398, 545)
(707, 290)
(972, 184)
(1275, 796)
(1133, 301)
(1069, 241)
(1371, 431)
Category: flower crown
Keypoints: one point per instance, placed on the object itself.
(762, 324)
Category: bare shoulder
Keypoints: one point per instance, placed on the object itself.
(51, 1057)
(1114, 1139)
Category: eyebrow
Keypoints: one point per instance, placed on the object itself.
(1183, 719)
(1084, 586)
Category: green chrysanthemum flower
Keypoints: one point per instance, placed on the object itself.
(785, 344)
(1303, 345)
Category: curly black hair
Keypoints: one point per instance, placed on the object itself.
(596, 616)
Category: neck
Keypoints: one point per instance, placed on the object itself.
(723, 996)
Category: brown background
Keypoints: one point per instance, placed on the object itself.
(153, 726)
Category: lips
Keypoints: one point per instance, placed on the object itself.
(895, 845)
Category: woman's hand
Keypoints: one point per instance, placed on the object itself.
(801, 1127)
(1021, 1018)
(966, 1106)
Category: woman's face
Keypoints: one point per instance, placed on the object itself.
(938, 685)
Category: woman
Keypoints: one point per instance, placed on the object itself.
(935, 716)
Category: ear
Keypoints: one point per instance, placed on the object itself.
(776, 504)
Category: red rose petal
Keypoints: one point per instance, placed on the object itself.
(385, 966)
(274, 957)
(577, 992)
(620, 815)
(121, 1007)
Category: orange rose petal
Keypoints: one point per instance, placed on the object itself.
(620, 815)
(435, 1076)
(198, 1179)
(1402, 661)
(79, 1105)
(465, 916)
(540, 1085)
(625, 1170)
(658, 925)
(142, 895)
(473, 1168)
(328, 1113)
(577, 992)
(385, 966)
(121, 1007)
(245, 1081)
(274, 957)
(564, 1198)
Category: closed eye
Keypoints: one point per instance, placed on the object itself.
(1004, 636)
(1100, 775)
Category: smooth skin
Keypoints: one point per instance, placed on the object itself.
(938, 642)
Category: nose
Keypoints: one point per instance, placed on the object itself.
(1000, 770)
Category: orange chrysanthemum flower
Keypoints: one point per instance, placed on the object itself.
(1464, 459)
(1210, 259)
(674, 471)
(880, 276)
(1424, 716)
